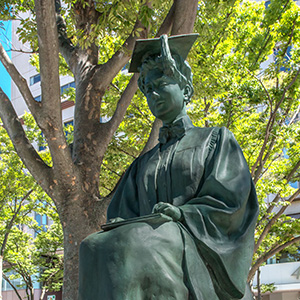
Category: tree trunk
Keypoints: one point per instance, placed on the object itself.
(78, 221)
(42, 294)
(258, 285)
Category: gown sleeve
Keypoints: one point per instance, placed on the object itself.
(124, 203)
(221, 218)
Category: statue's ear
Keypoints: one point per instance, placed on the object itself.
(187, 93)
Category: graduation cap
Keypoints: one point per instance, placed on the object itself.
(178, 44)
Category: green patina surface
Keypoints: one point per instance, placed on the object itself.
(195, 184)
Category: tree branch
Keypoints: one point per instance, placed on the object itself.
(269, 151)
(20, 82)
(11, 223)
(168, 22)
(86, 15)
(293, 171)
(49, 66)
(273, 220)
(13, 287)
(121, 57)
(105, 73)
(290, 38)
(153, 137)
(66, 47)
(111, 170)
(288, 87)
(48, 52)
(270, 125)
(263, 86)
(122, 105)
(142, 114)
(25, 150)
(184, 16)
(268, 36)
(227, 19)
(295, 115)
(277, 197)
(254, 171)
(269, 254)
(125, 152)
(23, 51)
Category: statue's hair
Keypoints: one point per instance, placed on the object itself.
(181, 72)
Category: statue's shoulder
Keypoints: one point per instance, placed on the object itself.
(211, 133)
(203, 133)
(203, 130)
(197, 137)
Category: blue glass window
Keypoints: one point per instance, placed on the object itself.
(67, 127)
(35, 79)
(42, 221)
(42, 145)
(69, 123)
(67, 86)
(38, 98)
(295, 185)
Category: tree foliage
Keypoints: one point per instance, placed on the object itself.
(24, 245)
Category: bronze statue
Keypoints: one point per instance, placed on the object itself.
(182, 219)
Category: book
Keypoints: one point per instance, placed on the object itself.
(156, 218)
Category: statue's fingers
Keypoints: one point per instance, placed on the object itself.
(159, 207)
(156, 208)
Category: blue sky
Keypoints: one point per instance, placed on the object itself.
(5, 38)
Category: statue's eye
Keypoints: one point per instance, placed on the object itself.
(162, 84)
(149, 89)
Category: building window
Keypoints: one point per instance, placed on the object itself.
(35, 79)
(68, 129)
(42, 221)
(38, 98)
(42, 143)
(67, 86)
(71, 122)
(295, 185)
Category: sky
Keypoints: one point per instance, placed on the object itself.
(5, 38)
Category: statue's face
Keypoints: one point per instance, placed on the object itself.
(164, 96)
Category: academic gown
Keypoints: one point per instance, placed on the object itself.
(207, 253)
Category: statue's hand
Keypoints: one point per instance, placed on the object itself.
(168, 209)
(114, 220)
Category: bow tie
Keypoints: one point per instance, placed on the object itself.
(168, 132)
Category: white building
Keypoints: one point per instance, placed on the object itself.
(21, 61)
